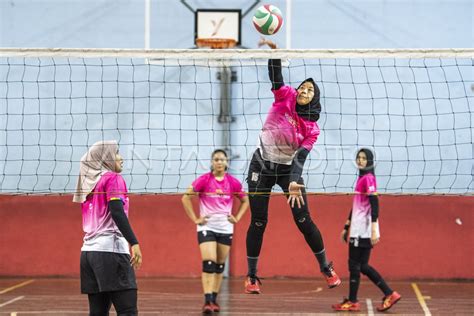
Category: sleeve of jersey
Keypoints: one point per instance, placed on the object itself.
(371, 185)
(282, 93)
(199, 184)
(311, 138)
(371, 191)
(237, 188)
(115, 188)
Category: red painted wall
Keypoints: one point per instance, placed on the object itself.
(42, 236)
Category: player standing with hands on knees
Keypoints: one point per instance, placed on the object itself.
(288, 135)
(107, 274)
(362, 228)
(215, 224)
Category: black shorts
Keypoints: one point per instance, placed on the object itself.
(106, 272)
(209, 235)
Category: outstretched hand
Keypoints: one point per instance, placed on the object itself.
(294, 191)
(269, 43)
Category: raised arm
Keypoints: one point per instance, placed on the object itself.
(274, 72)
(274, 66)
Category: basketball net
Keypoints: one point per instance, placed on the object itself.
(215, 43)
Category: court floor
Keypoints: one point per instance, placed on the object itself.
(167, 296)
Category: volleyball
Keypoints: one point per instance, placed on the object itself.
(267, 19)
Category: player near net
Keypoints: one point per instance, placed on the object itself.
(363, 226)
(288, 135)
(106, 267)
(215, 224)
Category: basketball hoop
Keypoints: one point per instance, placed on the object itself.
(216, 43)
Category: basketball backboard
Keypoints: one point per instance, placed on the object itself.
(218, 23)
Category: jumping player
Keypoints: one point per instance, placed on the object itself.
(288, 135)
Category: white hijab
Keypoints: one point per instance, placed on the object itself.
(99, 159)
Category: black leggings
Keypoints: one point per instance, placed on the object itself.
(125, 303)
(359, 263)
(262, 176)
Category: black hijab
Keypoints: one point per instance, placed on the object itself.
(311, 111)
(370, 168)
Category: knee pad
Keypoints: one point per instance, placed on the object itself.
(208, 266)
(354, 266)
(220, 267)
(305, 224)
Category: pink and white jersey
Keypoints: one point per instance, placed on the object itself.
(284, 132)
(216, 198)
(361, 219)
(101, 233)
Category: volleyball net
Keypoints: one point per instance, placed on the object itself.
(169, 109)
